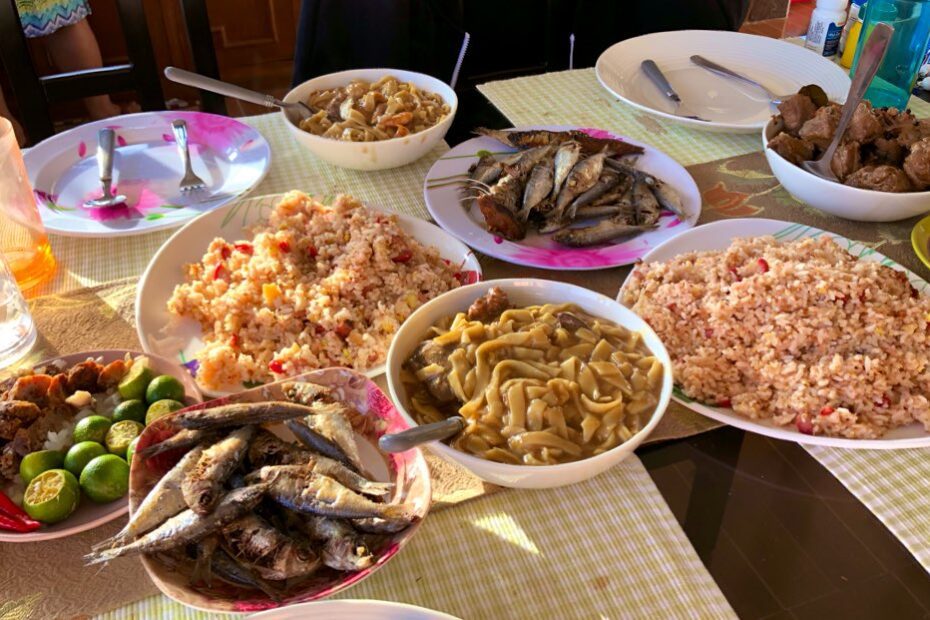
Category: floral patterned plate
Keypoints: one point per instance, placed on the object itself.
(717, 236)
(541, 250)
(182, 339)
(230, 156)
(408, 470)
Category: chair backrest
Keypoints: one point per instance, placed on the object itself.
(34, 93)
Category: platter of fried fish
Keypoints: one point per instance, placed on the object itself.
(561, 198)
(271, 497)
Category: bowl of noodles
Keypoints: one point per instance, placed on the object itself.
(555, 383)
(372, 119)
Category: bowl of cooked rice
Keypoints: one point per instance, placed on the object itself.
(556, 383)
(372, 119)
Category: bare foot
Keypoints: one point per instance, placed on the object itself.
(101, 107)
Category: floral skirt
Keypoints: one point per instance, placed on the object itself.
(43, 17)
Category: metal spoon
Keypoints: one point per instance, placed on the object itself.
(295, 112)
(105, 141)
(425, 433)
(869, 61)
(713, 67)
(655, 75)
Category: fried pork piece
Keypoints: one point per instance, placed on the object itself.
(917, 164)
(795, 111)
(429, 353)
(880, 178)
(499, 220)
(83, 376)
(15, 414)
(864, 126)
(32, 388)
(820, 129)
(846, 160)
(793, 149)
(900, 126)
(490, 306)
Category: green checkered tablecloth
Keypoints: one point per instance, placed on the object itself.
(607, 548)
(892, 484)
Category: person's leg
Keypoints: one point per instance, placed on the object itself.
(74, 48)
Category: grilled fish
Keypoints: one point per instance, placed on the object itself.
(565, 159)
(304, 491)
(267, 551)
(603, 231)
(187, 527)
(538, 187)
(203, 485)
(343, 548)
(239, 414)
(182, 440)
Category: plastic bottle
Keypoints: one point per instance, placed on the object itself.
(827, 21)
(854, 8)
(852, 41)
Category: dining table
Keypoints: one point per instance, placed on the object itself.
(703, 521)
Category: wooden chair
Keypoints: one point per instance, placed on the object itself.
(34, 93)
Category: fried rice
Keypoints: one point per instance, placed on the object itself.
(317, 286)
(796, 333)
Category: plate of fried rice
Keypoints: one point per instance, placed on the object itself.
(275, 286)
(792, 332)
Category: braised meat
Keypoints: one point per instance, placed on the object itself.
(796, 110)
(846, 160)
(434, 359)
(880, 178)
(14, 414)
(793, 149)
(917, 164)
(864, 127)
(490, 306)
(820, 129)
(84, 376)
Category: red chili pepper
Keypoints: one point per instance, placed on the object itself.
(312, 251)
(15, 525)
(245, 248)
(276, 366)
(842, 298)
(225, 252)
(725, 402)
(804, 425)
(319, 328)
(827, 411)
(234, 341)
(7, 507)
(672, 307)
(284, 246)
(914, 292)
(763, 264)
(735, 273)
(218, 271)
(708, 332)
(343, 329)
(403, 257)
(885, 402)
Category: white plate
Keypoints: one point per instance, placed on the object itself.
(88, 514)
(541, 250)
(730, 105)
(176, 339)
(230, 156)
(718, 236)
(352, 610)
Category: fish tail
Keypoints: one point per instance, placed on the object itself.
(377, 488)
(104, 555)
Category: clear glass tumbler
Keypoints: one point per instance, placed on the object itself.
(22, 236)
(17, 329)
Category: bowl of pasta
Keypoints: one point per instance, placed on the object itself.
(555, 383)
(372, 119)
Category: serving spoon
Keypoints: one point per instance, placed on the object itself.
(424, 433)
(296, 111)
(869, 61)
(105, 146)
(710, 65)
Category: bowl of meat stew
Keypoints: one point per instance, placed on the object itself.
(883, 163)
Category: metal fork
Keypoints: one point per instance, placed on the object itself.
(191, 181)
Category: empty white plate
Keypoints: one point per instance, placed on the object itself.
(230, 156)
(729, 105)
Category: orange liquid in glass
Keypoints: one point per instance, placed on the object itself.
(33, 264)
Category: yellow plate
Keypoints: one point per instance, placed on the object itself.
(920, 240)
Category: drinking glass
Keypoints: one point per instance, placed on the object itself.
(910, 19)
(17, 329)
(22, 236)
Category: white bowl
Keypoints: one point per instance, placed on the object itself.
(523, 292)
(382, 154)
(851, 203)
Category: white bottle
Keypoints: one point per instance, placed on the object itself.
(827, 21)
(854, 10)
